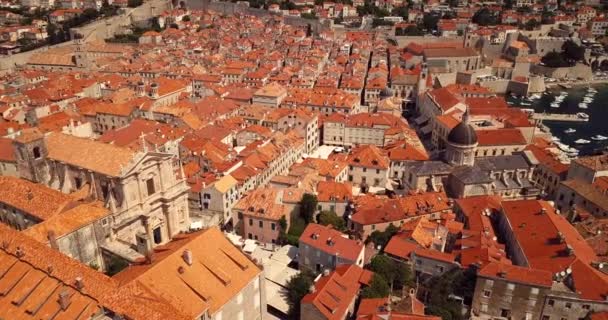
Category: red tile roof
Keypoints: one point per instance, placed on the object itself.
(331, 241)
(335, 293)
(372, 210)
(7, 153)
(500, 137)
(522, 275)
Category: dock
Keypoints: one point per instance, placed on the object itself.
(558, 117)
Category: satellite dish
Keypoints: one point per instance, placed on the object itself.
(568, 271)
(563, 274)
(601, 265)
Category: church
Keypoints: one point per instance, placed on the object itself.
(144, 190)
(461, 174)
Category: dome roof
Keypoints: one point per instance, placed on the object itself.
(463, 134)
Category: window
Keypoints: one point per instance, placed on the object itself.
(586, 307)
(37, 153)
(487, 293)
(273, 226)
(250, 222)
(551, 302)
(510, 286)
(534, 291)
(568, 305)
(261, 224)
(150, 186)
(546, 318)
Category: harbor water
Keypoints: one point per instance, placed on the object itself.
(597, 110)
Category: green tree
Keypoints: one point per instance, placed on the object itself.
(134, 3)
(395, 272)
(401, 11)
(409, 31)
(308, 206)
(377, 288)
(297, 287)
(429, 21)
(307, 15)
(531, 24)
(287, 5)
(282, 230)
(381, 238)
(441, 288)
(26, 21)
(484, 17)
(573, 52)
(554, 60)
(331, 218)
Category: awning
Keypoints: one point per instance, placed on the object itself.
(422, 119)
(427, 129)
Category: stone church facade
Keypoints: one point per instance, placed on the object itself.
(145, 191)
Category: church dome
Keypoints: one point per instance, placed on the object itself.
(463, 134)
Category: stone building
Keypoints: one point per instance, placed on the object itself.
(145, 191)
(504, 290)
(63, 221)
(8, 163)
(322, 248)
(537, 237)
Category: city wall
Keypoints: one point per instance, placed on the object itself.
(240, 8)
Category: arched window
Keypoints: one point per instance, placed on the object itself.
(37, 154)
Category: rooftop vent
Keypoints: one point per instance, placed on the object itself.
(64, 300)
(187, 256)
(79, 283)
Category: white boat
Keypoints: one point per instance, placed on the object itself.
(570, 130)
(554, 105)
(583, 115)
(599, 138)
(555, 139)
(587, 100)
(525, 103)
(591, 89)
(583, 105)
(582, 141)
(534, 96)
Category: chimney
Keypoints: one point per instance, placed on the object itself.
(570, 250)
(19, 252)
(154, 90)
(52, 240)
(560, 237)
(141, 89)
(79, 283)
(64, 300)
(502, 274)
(187, 256)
